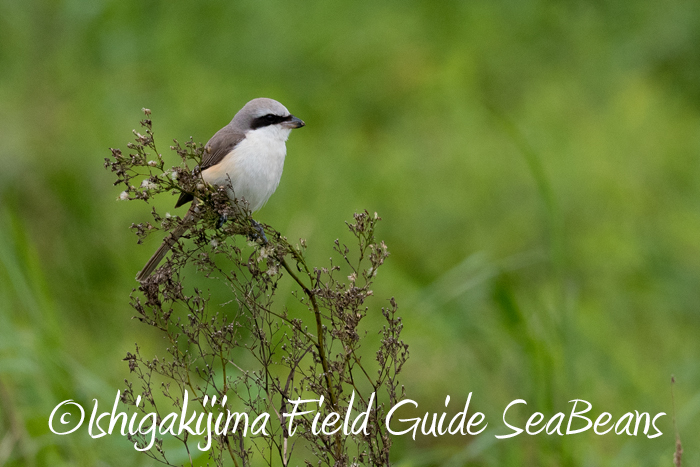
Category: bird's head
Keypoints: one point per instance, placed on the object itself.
(262, 113)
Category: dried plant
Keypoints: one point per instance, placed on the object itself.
(253, 354)
(678, 453)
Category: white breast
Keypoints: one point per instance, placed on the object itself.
(254, 167)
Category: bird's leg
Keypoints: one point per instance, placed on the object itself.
(259, 228)
(222, 220)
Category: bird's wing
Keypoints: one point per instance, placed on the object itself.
(216, 149)
(219, 145)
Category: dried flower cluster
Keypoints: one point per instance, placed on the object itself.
(254, 349)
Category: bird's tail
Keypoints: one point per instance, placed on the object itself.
(168, 243)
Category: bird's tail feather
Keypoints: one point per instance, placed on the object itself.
(163, 250)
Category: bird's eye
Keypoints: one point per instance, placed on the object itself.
(270, 117)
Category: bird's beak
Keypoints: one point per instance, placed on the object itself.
(294, 122)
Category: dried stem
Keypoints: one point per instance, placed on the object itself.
(255, 352)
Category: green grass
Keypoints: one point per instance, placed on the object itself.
(536, 165)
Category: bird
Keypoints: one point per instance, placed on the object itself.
(246, 156)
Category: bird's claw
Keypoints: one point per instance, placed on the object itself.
(261, 231)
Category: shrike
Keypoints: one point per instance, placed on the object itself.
(246, 156)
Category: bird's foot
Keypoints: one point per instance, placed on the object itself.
(222, 220)
(261, 231)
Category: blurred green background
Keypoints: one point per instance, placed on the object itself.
(536, 165)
